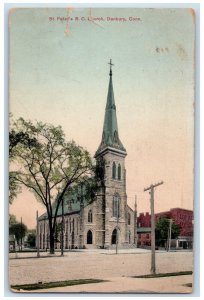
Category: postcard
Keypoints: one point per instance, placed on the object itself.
(101, 150)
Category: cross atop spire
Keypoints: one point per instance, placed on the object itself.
(110, 63)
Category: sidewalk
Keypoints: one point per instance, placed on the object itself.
(67, 252)
(88, 251)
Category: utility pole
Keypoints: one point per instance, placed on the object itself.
(37, 235)
(21, 234)
(135, 222)
(170, 226)
(151, 192)
(62, 229)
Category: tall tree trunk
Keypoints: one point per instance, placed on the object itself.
(52, 233)
(52, 241)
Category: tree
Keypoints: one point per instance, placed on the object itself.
(12, 219)
(14, 187)
(19, 230)
(161, 231)
(31, 239)
(17, 137)
(49, 167)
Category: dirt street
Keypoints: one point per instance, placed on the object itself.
(100, 265)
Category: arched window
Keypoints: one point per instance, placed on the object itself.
(47, 241)
(114, 170)
(73, 225)
(72, 246)
(43, 241)
(66, 241)
(114, 237)
(89, 237)
(129, 237)
(77, 220)
(66, 226)
(40, 241)
(119, 172)
(90, 216)
(129, 219)
(116, 206)
(115, 137)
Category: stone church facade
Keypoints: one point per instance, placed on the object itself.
(108, 219)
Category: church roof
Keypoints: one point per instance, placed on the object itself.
(71, 204)
(110, 136)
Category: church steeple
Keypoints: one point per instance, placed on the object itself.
(110, 136)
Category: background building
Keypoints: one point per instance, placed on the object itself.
(180, 216)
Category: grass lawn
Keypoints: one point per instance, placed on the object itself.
(48, 285)
(164, 274)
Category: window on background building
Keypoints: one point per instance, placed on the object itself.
(129, 219)
(116, 206)
(147, 235)
(119, 172)
(114, 170)
(90, 216)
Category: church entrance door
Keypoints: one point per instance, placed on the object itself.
(89, 237)
(114, 237)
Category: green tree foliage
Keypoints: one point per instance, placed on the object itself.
(49, 166)
(161, 231)
(12, 219)
(19, 230)
(31, 239)
(17, 137)
(14, 187)
(22, 138)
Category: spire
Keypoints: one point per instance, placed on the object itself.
(110, 137)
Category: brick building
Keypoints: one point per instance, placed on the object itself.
(100, 223)
(180, 216)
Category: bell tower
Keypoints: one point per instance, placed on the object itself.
(113, 153)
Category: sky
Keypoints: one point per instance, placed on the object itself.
(58, 73)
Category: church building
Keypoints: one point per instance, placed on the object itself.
(108, 219)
